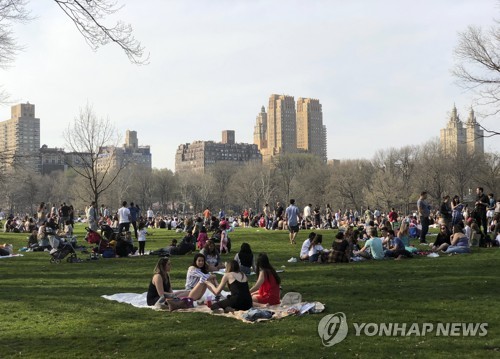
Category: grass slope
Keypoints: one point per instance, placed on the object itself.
(55, 311)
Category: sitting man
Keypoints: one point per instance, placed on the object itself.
(33, 240)
(396, 247)
(374, 244)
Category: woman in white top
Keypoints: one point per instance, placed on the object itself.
(304, 251)
(316, 249)
(197, 277)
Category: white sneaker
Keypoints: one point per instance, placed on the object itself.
(292, 260)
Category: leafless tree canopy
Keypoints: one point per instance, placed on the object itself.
(90, 139)
(89, 17)
(478, 68)
(11, 11)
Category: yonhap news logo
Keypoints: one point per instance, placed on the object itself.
(333, 329)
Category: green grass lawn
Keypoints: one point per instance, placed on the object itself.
(56, 310)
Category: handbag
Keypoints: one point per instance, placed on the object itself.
(179, 303)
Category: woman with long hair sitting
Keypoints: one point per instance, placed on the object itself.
(212, 256)
(245, 259)
(237, 281)
(197, 277)
(160, 287)
(267, 288)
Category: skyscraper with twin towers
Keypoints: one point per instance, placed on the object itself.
(290, 128)
(460, 138)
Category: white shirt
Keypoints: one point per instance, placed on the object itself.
(124, 215)
(305, 247)
(150, 213)
(467, 231)
(141, 235)
(318, 248)
(307, 211)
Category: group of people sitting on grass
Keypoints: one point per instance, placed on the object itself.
(390, 244)
(199, 279)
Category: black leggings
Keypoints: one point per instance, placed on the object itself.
(142, 245)
(233, 302)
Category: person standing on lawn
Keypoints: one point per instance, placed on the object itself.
(123, 218)
(292, 216)
(424, 211)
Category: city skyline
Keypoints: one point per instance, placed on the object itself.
(381, 71)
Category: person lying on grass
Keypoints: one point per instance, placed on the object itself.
(198, 277)
(237, 281)
(267, 288)
(160, 287)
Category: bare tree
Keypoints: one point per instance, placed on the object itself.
(288, 166)
(163, 186)
(11, 11)
(92, 141)
(461, 171)
(246, 186)
(89, 18)
(488, 172)
(221, 173)
(349, 179)
(432, 170)
(478, 68)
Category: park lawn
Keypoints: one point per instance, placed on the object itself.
(56, 310)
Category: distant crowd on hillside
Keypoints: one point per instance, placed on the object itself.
(479, 222)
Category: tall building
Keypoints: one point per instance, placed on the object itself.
(129, 154)
(200, 155)
(20, 138)
(281, 125)
(474, 135)
(260, 130)
(275, 132)
(286, 129)
(311, 133)
(456, 139)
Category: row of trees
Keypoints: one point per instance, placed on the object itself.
(393, 178)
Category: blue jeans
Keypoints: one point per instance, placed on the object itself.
(424, 221)
(457, 249)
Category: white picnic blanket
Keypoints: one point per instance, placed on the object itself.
(140, 301)
(280, 311)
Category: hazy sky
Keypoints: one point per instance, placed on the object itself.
(381, 70)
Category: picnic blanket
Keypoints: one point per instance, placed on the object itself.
(11, 255)
(247, 316)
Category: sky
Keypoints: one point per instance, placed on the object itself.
(381, 70)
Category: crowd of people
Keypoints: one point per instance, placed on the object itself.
(55, 220)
